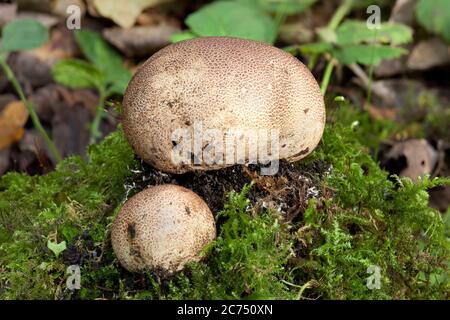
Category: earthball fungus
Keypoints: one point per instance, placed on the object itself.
(229, 85)
(161, 229)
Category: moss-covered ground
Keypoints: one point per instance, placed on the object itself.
(358, 217)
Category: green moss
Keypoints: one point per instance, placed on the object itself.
(372, 220)
(362, 218)
(77, 198)
(246, 261)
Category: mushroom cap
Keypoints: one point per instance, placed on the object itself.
(223, 83)
(161, 229)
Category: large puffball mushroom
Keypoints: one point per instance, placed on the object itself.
(161, 229)
(221, 83)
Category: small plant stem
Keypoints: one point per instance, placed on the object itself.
(312, 61)
(369, 84)
(340, 13)
(33, 115)
(99, 114)
(327, 76)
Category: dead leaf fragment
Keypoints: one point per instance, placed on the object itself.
(47, 20)
(295, 33)
(61, 45)
(391, 67)
(4, 161)
(403, 11)
(382, 113)
(153, 16)
(124, 12)
(12, 119)
(68, 112)
(8, 12)
(34, 5)
(5, 99)
(55, 7)
(35, 65)
(428, 54)
(59, 7)
(411, 158)
(391, 93)
(142, 40)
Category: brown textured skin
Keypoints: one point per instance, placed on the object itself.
(162, 228)
(224, 83)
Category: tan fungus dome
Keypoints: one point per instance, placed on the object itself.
(162, 228)
(222, 83)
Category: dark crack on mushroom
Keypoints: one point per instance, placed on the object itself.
(131, 230)
(304, 151)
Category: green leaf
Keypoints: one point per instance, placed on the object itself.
(327, 34)
(434, 15)
(56, 248)
(369, 55)
(105, 58)
(23, 34)
(97, 50)
(234, 19)
(69, 232)
(288, 7)
(181, 36)
(74, 73)
(316, 48)
(118, 79)
(355, 32)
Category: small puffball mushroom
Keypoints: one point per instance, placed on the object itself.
(221, 83)
(161, 229)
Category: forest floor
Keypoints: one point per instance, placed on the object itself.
(374, 194)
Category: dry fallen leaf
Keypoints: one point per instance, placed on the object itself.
(295, 32)
(403, 11)
(428, 54)
(54, 7)
(392, 67)
(4, 160)
(8, 13)
(411, 158)
(141, 40)
(35, 65)
(68, 111)
(46, 19)
(61, 45)
(12, 119)
(124, 12)
(59, 7)
(153, 16)
(382, 113)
